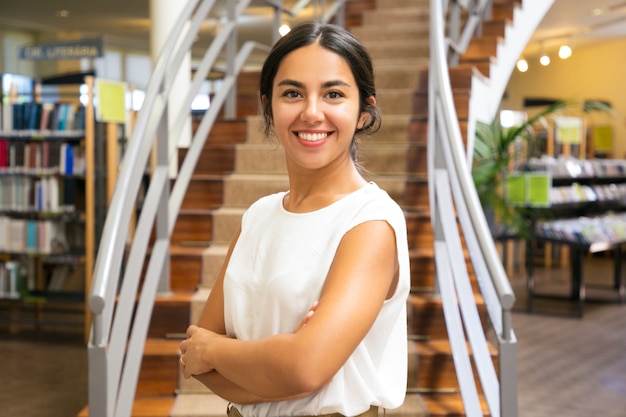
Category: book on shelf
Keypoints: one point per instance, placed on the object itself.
(42, 117)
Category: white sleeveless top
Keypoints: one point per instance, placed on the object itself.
(276, 272)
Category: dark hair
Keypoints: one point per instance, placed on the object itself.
(333, 38)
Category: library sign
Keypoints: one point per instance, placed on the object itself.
(85, 48)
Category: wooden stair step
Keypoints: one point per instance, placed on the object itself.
(171, 314)
(157, 406)
(193, 227)
(393, 130)
(395, 100)
(426, 317)
(185, 267)
(416, 191)
(203, 193)
(416, 15)
(416, 159)
(481, 48)
(418, 129)
(380, 50)
(225, 131)
(436, 366)
(399, 32)
(461, 103)
(158, 375)
(448, 405)
(422, 269)
(396, 4)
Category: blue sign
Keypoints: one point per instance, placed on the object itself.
(84, 48)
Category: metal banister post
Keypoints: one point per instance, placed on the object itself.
(230, 107)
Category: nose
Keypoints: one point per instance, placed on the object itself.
(312, 111)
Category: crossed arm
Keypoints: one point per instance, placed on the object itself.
(363, 274)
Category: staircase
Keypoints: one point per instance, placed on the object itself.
(239, 166)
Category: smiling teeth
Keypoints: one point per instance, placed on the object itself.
(312, 137)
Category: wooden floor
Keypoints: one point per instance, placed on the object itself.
(568, 366)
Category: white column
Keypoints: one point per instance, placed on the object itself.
(163, 15)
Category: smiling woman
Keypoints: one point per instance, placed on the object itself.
(308, 316)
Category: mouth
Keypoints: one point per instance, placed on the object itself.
(312, 137)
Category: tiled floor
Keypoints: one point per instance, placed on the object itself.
(568, 366)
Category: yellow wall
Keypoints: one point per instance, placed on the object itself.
(591, 73)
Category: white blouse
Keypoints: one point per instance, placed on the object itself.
(276, 272)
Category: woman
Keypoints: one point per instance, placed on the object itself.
(308, 315)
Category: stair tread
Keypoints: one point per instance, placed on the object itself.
(156, 406)
(160, 346)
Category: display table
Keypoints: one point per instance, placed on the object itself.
(578, 250)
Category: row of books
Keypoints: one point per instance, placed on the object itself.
(16, 282)
(609, 228)
(45, 236)
(28, 194)
(568, 167)
(41, 157)
(42, 117)
(577, 193)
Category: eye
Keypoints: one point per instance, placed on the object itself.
(291, 94)
(334, 95)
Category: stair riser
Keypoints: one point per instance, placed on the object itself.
(213, 160)
(396, 4)
(461, 103)
(192, 228)
(416, 160)
(158, 375)
(243, 190)
(203, 194)
(416, 193)
(169, 318)
(396, 77)
(417, 16)
(418, 130)
(390, 49)
(398, 32)
(185, 272)
(460, 79)
(395, 101)
(392, 130)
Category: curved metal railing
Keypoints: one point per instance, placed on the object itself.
(452, 196)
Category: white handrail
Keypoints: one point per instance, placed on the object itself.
(450, 173)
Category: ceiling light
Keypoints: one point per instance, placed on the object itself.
(565, 51)
(544, 60)
(284, 29)
(62, 13)
(522, 65)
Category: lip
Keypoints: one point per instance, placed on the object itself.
(312, 143)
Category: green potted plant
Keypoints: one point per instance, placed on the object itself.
(494, 151)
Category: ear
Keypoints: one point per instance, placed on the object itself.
(263, 100)
(365, 115)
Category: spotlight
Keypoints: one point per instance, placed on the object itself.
(522, 65)
(284, 29)
(544, 60)
(565, 52)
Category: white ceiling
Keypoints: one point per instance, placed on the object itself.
(127, 22)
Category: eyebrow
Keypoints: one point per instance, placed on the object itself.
(327, 84)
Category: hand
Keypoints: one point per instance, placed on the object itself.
(307, 317)
(192, 351)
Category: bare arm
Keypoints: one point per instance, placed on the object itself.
(212, 319)
(363, 273)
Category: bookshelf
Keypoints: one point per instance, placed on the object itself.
(47, 238)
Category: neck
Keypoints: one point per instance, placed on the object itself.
(315, 190)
